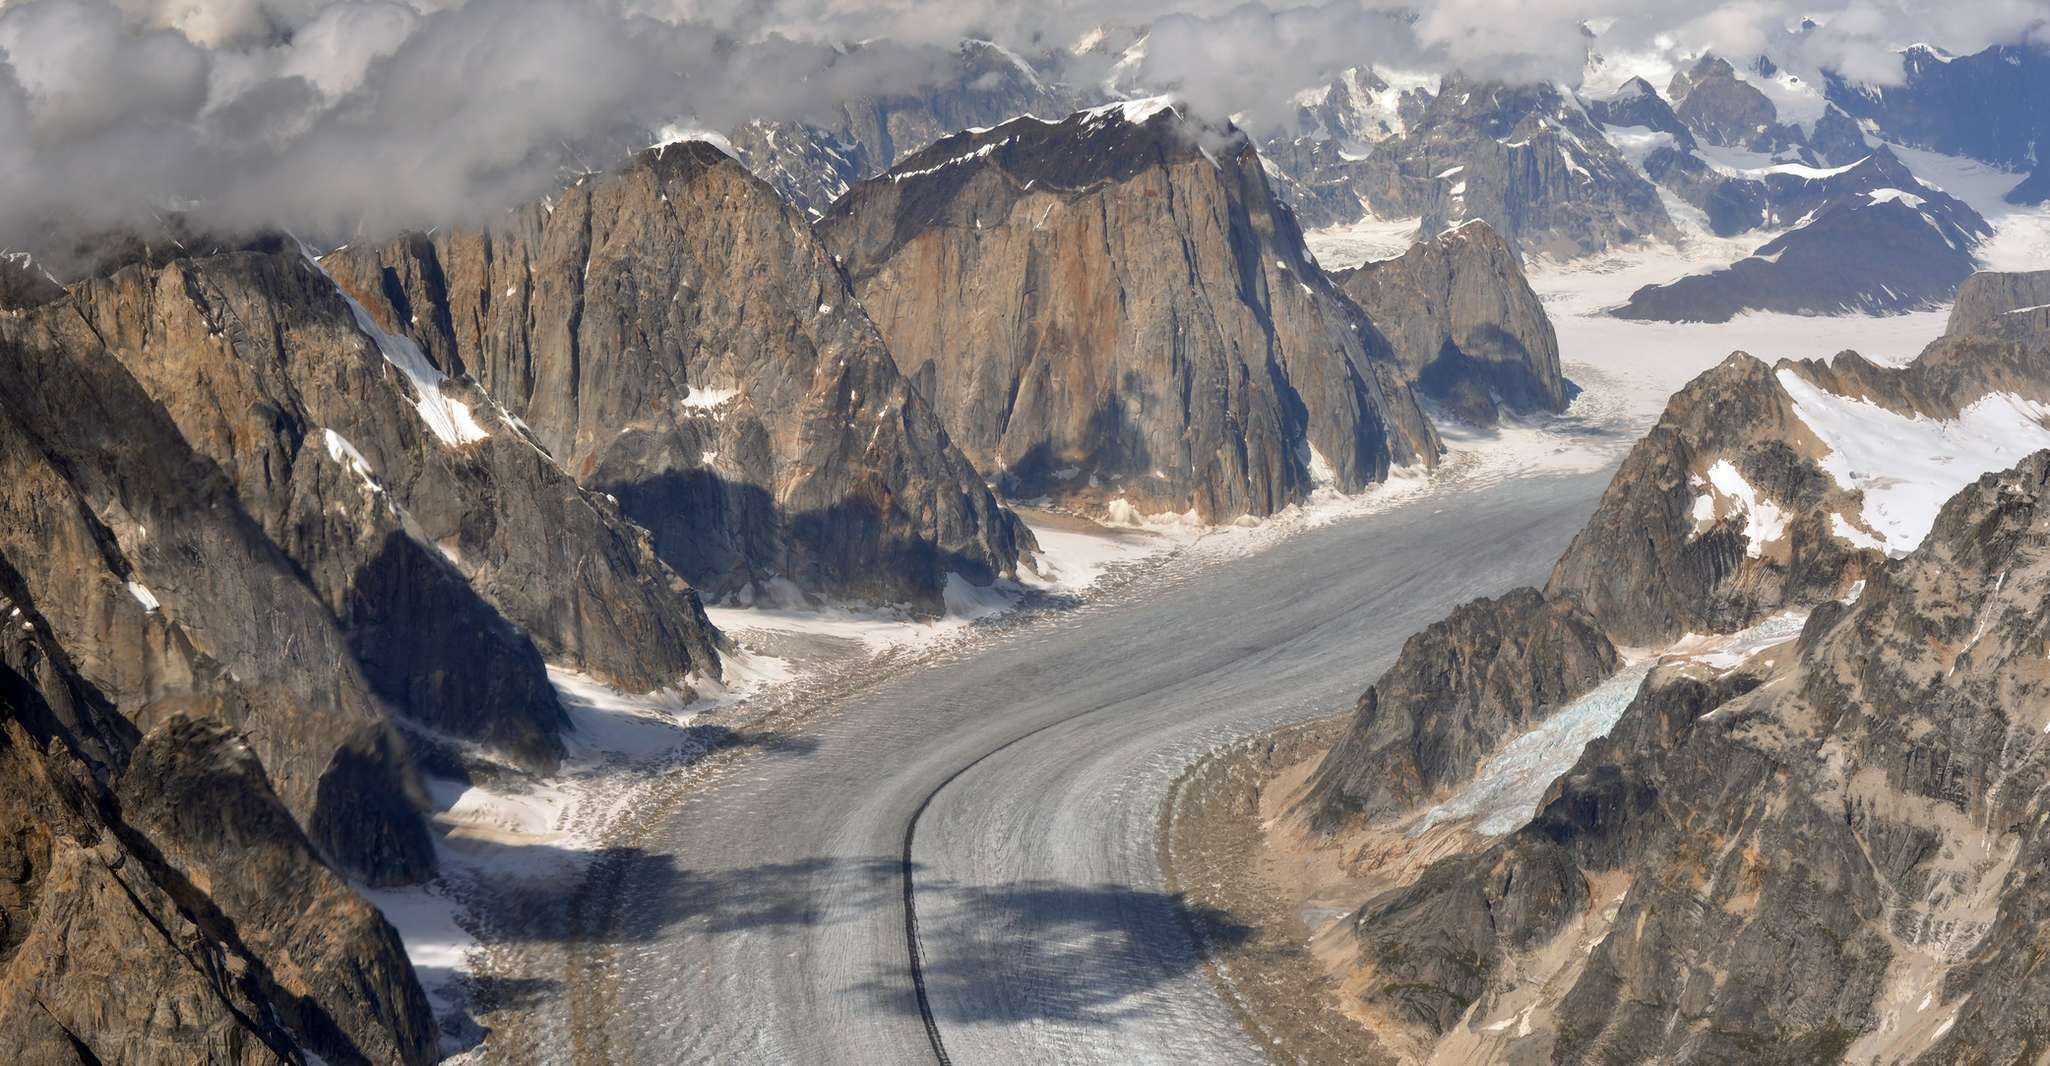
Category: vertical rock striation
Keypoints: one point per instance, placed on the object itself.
(673, 335)
(1469, 331)
(1115, 307)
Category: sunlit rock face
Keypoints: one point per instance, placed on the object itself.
(673, 335)
(1115, 308)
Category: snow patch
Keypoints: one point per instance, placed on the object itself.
(1882, 196)
(1841, 528)
(143, 595)
(1509, 786)
(677, 133)
(1764, 521)
(448, 418)
(341, 451)
(1906, 466)
(1137, 110)
(707, 399)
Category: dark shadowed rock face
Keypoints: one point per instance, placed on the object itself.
(1987, 105)
(1116, 307)
(2032, 190)
(1460, 688)
(24, 282)
(334, 969)
(1822, 856)
(673, 334)
(133, 553)
(178, 916)
(1838, 141)
(1527, 160)
(1870, 239)
(1464, 322)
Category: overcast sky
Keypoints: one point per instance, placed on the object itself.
(324, 116)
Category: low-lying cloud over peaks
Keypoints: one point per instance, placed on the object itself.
(333, 116)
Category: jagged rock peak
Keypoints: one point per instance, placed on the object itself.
(674, 335)
(1465, 323)
(1152, 333)
(1488, 672)
(1526, 158)
(1897, 745)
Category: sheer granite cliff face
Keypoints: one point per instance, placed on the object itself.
(407, 503)
(674, 335)
(1115, 308)
(1822, 855)
(1465, 324)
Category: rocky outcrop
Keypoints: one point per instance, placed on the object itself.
(1318, 163)
(1725, 110)
(2014, 305)
(1114, 307)
(24, 282)
(1459, 689)
(1719, 516)
(1636, 105)
(1763, 488)
(1869, 238)
(2032, 190)
(1465, 324)
(178, 915)
(332, 969)
(673, 335)
(1838, 141)
(1818, 856)
(263, 371)
(144, 566)
(1527, 160)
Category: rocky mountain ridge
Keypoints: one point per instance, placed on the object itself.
(161, 904)
(1778, 845)
(1150, 332)
(1465, 324)
(675, 336)
(1867, 238)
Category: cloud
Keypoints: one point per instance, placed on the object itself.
(331, 117)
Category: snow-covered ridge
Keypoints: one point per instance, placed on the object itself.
(1136, 111)
(682, 134)
(955, 161)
